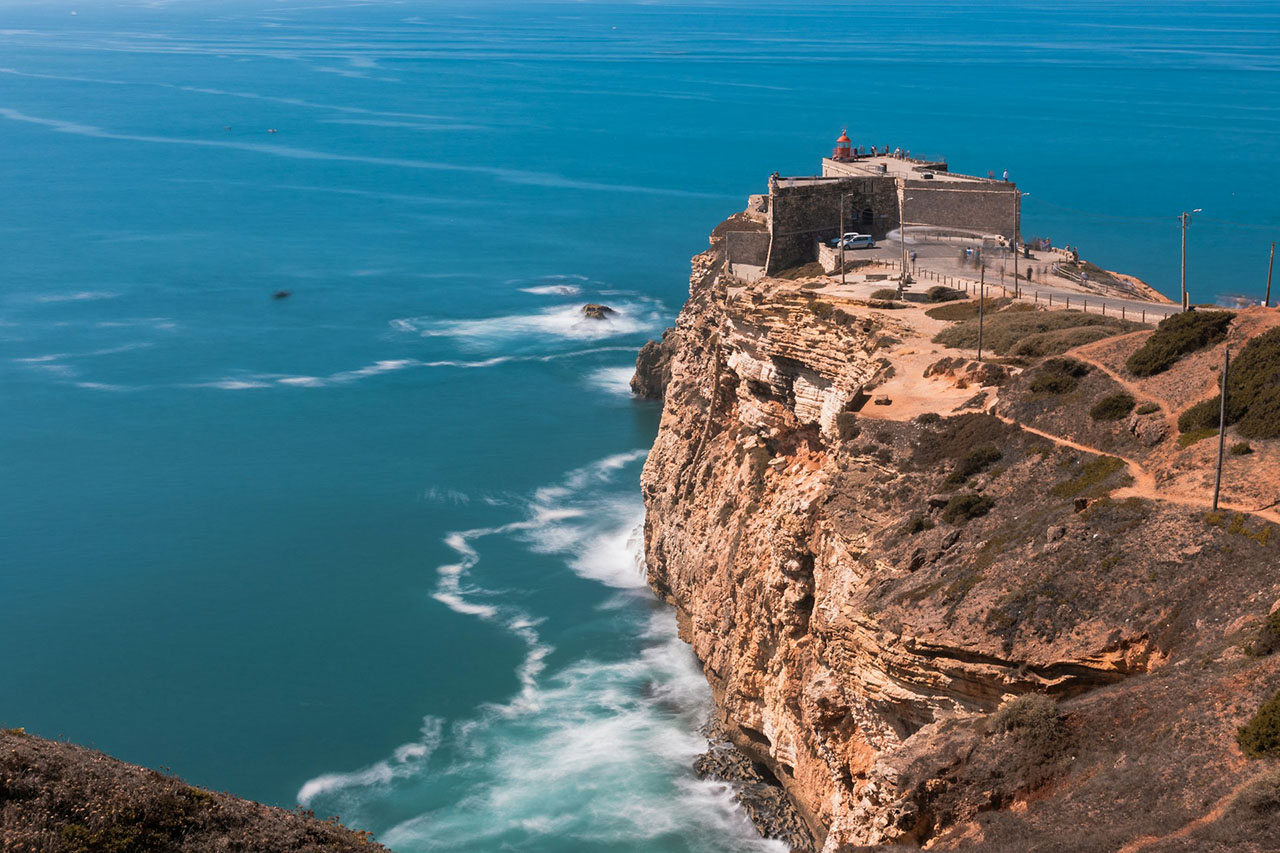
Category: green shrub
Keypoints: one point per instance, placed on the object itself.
(1059, 341)
(820, 308)
(938, 293)
(1004, 330)
(1177, 335)
(1253, 393)
(1241, 448)
(1261, 735)
(929, 419)
(966, 310)
(1268, 639)
(1058, 376)
(1148, 409)
(888, 293)
(1189, 438)
(962, 508)
(1093, 475)
(971, 463)
(847, 427)
(1031, 713)
(916, 524)
(1112, 407)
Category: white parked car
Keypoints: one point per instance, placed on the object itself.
(854, 240)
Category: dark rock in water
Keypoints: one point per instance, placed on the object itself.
(653, 369)
(281, 294)
(596, 311)
(762, 798)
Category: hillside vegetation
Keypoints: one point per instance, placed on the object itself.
(61, 798)
(1253, 393)
(1176, 336)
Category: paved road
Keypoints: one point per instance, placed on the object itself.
(944, 259)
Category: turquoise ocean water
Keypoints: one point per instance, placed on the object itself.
(373, 548)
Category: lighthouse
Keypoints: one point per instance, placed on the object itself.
(842, 151)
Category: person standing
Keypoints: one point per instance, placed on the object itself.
(1006, 175)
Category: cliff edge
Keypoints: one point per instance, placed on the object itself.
(61, 798)
(963, 605)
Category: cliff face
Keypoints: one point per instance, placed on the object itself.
(61, 798)
(948, 629)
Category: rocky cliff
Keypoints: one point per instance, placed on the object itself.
(61, 798)
(970, 618)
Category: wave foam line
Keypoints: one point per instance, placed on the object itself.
(512, 176)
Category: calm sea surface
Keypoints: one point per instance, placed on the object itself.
(373, 548)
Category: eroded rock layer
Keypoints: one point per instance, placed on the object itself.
(870, 597)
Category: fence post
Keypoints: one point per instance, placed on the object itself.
(1144, 315)
(1050, 298)
(1104, 309)
(1068, 301)
(1121, 312)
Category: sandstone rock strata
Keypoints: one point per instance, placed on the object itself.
(861, 627)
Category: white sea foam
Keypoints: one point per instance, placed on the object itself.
(562, 321)
(554, 289)
(615, 380)
(598, 752)
(406, 760)
(78, 296)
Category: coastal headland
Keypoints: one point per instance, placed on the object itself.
(954, 566)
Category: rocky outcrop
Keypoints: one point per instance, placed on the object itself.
(866, 595)
(653, 370)
(61, 798)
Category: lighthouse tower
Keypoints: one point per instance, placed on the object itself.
(843, 151)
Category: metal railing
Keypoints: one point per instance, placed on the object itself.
(1078, 302)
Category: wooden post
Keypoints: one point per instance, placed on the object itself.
(1144, 315)
(1222, 424)
(1121, 312)
(1266, 302)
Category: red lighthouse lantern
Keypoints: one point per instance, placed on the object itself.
(843, 151)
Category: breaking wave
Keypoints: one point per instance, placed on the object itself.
(596, 753)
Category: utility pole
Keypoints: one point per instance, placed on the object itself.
(1186, 220)
(902, 232)
(982, 280)
(1222, 424)
(1266, 302)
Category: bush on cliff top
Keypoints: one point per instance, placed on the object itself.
(973, 462)
(1113, 407)
(967, 310)
(1260, 737)
(963, 508)
(1176, 336)
(1003, 331)
(1058, 376)
(1253, 393)
(1059, 341)
(938, 293)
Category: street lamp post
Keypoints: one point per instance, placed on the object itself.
(902, 231)
(1186, 220)
(1017, 236)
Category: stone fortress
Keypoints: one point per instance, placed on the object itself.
(870, 193)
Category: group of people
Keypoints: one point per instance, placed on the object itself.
(897, 153)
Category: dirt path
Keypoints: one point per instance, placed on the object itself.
(1144, 482)
(1085, 354)
(1219, 808)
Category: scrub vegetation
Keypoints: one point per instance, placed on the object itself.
(1022, 330)
(1253, 393)
(1176, 336)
